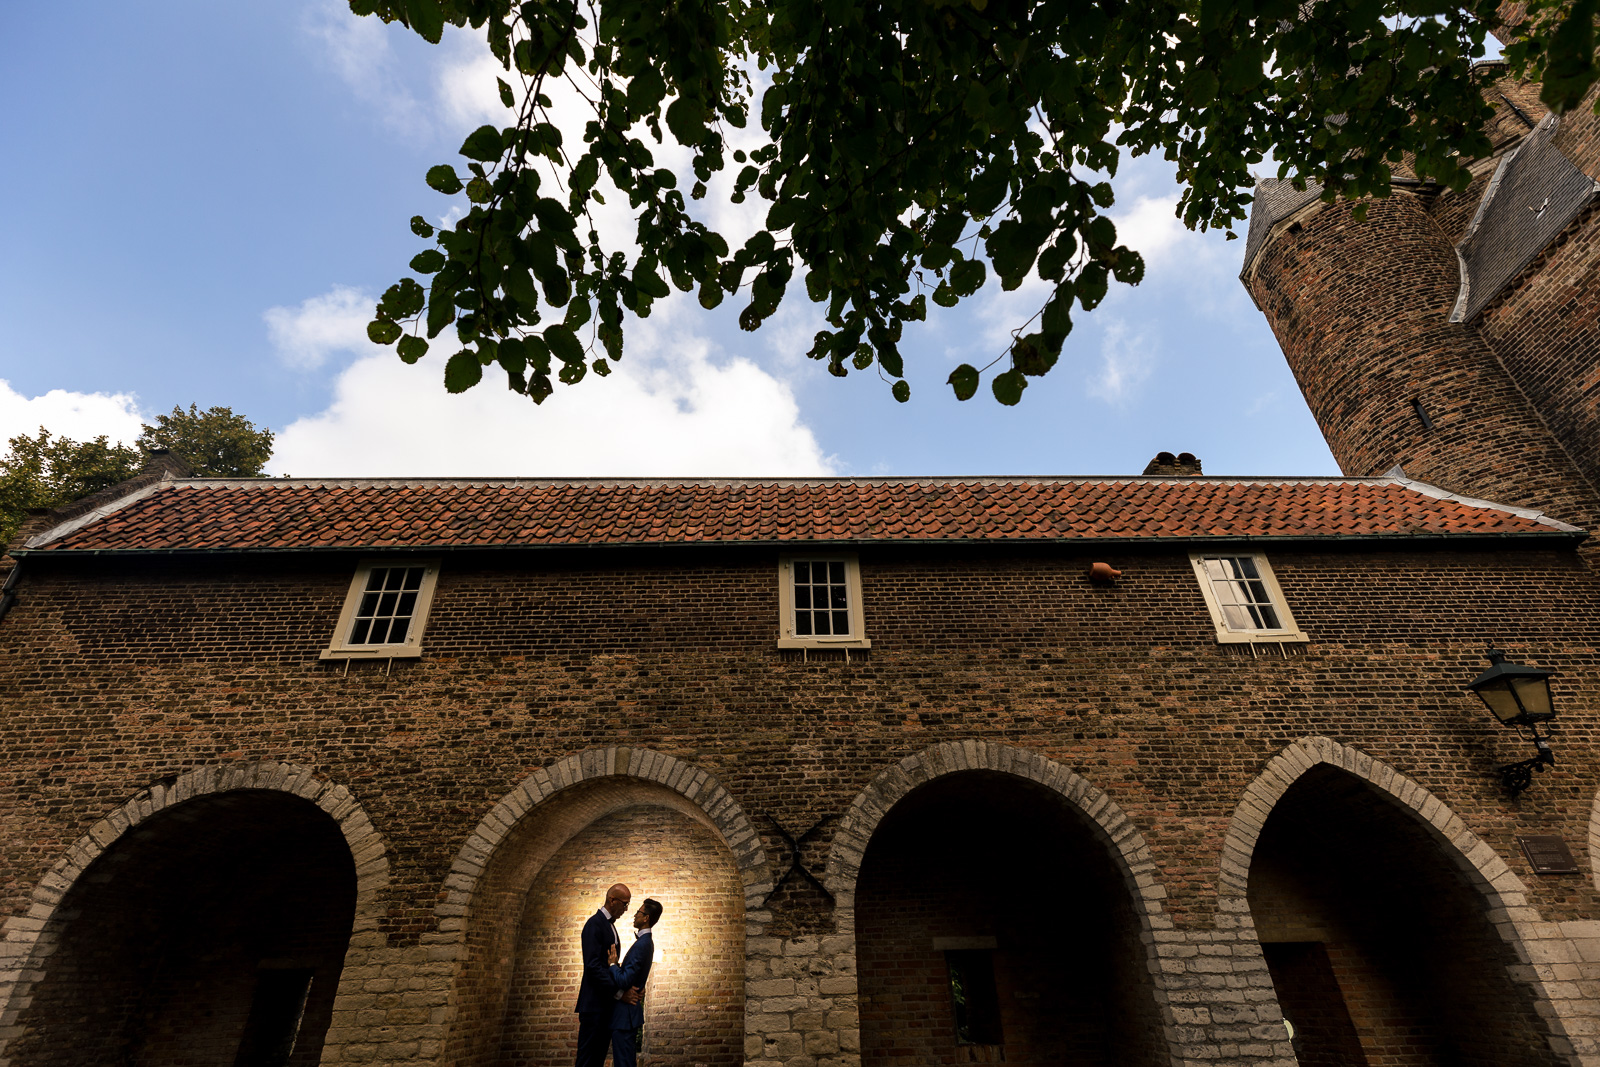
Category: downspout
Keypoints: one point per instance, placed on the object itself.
(8, 594)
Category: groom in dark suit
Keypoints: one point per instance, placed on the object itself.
(628, 1019)
(597, 994)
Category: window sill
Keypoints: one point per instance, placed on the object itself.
(1231, 638)
(824, 642)
(381, 652)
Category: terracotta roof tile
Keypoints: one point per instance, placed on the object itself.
(259, 514)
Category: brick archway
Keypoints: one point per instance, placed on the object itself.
(1514, 919)
(29, 940)
(1113, 829)
(501, 860)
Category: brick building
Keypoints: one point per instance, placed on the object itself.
(1156, 769)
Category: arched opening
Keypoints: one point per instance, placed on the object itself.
(993, 924)
(212, 933)
(1380, 947)
(545, 880)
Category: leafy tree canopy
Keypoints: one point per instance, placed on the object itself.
(215, 442)
(48, 471)
(906, 150)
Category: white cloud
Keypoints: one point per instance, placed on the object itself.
(336, 321)
(674, 406)
(358, 49)
(79, 416)
(1125, 362)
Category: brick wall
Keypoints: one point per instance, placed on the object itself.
(117, 674)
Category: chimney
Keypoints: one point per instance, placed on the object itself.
(159, 461)
(1166, 465)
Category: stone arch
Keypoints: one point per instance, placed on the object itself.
(27, 941)
(1124, 846)
(1594, 841)
(497, 866)
(1514, 919)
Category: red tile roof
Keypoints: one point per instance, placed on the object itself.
(299, 514)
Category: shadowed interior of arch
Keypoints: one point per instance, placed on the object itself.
(517, 990)
(992, 922)
(1379, 943)
(212, 933)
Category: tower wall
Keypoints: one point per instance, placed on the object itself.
(1361, 310)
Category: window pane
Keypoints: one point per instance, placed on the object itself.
(802, 623)
(413, 578)
(841, 622)
(1269, 618)
(836, 598)
(802, 572)
(375, 579)
(369, 605)
(1236, 618)
(386, 603)
(1247, 567)
(397, 632)
(407, 605)
(802, 596)
(358, 636)
(822, 624)
(836, 573)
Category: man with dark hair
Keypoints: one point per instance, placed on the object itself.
(597, 993)
(628, 1019)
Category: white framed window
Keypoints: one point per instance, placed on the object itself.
(385, 611)
(1245, 601)
(819, 602)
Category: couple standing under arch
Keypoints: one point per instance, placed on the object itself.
(610, 1005)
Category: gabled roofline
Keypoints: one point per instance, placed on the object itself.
(141, 488)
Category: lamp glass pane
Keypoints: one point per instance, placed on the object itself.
(1534, 694)
(1502, 705)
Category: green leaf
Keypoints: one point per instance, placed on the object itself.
(402, 300)
(505, 93)
(443, 178)
(902, 391)
(564, 344)
(426, 17)
(964, 380)
(428, 261)
(479, 191)
(462, 371)
(686, 118)
(1008, 387)
(411, 348)
(420, 227)
(967, 277)
(384, 332)
(483, 144)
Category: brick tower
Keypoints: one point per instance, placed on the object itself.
(1454, 335)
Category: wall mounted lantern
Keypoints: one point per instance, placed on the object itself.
(1518, 695)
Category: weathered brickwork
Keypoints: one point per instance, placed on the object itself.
(560, 692)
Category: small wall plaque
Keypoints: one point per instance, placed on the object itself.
(1548, 854)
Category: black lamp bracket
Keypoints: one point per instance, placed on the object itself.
(1518, 776)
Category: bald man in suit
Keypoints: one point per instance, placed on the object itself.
(597, 994)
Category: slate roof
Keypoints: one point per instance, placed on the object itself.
(1534, 194)
(1275, 199)
(177, 515)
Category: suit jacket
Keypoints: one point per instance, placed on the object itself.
(633, 971)
(596, 992)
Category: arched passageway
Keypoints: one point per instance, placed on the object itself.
(993, 924)
(212, 933)
(546, 878)
(1380, 946)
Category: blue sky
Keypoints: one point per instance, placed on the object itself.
(206, 198)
